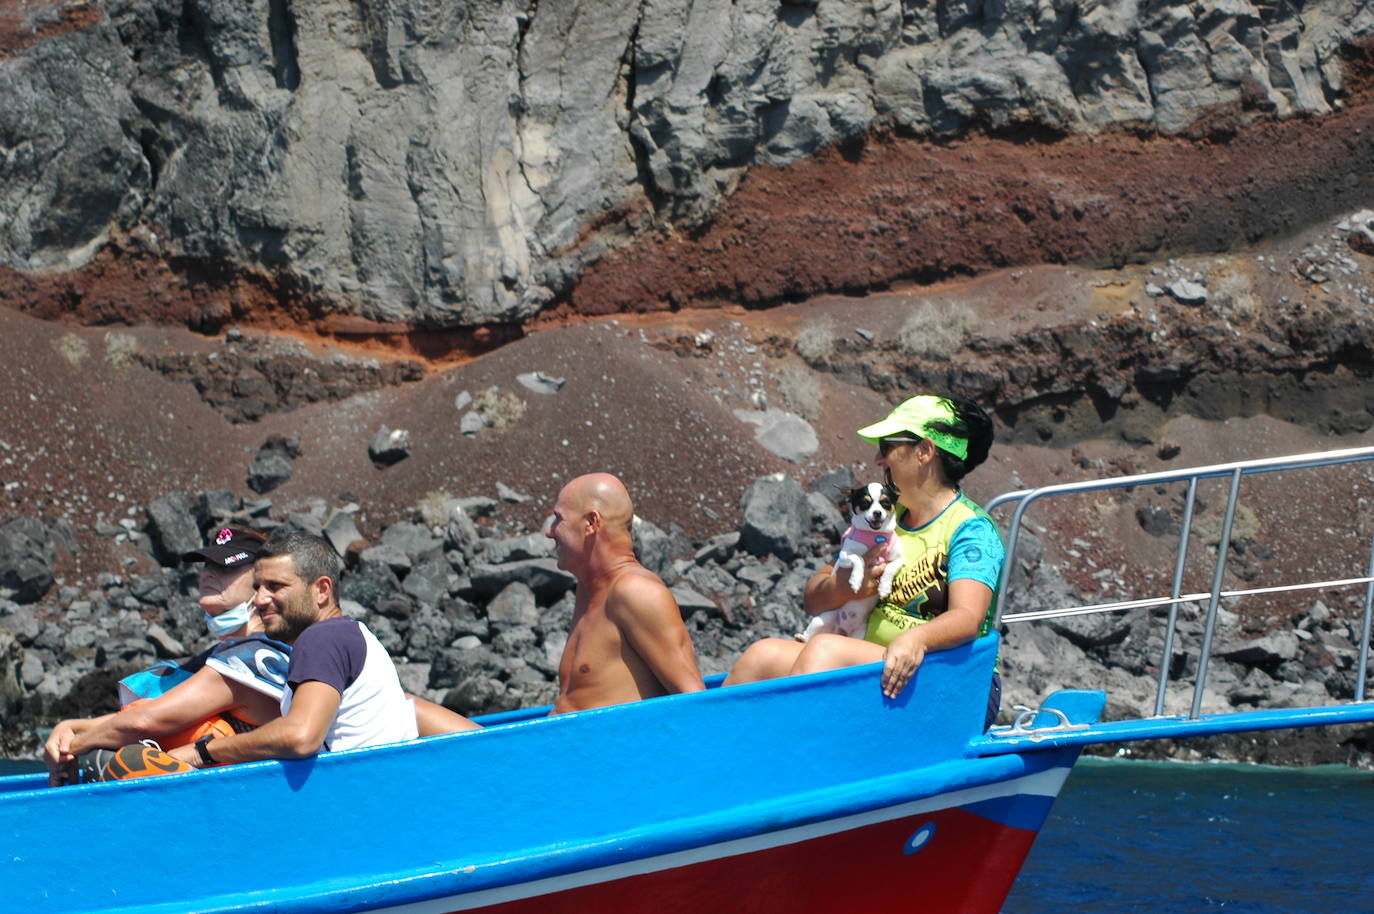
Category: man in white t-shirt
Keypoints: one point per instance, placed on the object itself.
(342, 690)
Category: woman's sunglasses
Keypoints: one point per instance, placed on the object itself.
(885, 445)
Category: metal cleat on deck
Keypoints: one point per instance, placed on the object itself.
(1023, 725)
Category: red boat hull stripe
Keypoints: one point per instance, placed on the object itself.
(870, 861)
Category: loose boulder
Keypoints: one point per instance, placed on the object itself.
(27, 554)
(172, 527)
(271, 465)
(389, 446)
(776, 516)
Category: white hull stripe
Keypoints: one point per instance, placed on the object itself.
(1043, 783)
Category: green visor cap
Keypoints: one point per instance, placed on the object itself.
(914, 416)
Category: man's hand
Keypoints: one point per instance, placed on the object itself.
(56, 749)
(57, 755)
(299, 734)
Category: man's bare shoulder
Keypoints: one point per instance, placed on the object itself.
(635, 590)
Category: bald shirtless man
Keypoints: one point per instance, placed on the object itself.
(627, 640)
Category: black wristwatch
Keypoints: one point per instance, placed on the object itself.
(203, 747)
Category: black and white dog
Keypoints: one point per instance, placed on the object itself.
(873, 515)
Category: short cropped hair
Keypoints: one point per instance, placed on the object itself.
(312, 556)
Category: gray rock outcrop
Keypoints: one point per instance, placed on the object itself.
(271, 465)
(789, 436)
(775, 517)
(27, 554)
(172, 526)
(13, 678)
(460, 165)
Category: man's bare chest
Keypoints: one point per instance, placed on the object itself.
(593, 643)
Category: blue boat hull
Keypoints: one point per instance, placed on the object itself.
(802, 794)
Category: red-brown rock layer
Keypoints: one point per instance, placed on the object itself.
(892, 211)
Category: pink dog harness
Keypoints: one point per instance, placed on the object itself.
(871, 538)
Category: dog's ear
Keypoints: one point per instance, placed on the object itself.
(846, 500)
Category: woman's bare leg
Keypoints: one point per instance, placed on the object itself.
(831, 652)
(766, 659)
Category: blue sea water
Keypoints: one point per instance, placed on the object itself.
(1177, 838)
(18, 767)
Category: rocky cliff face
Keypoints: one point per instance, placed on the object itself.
(360, 194)
(451, 166)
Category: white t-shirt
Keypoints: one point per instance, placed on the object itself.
(342, 653)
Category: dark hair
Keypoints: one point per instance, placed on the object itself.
(312, 557)
(973, 425)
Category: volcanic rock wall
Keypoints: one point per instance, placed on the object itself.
(457, 165)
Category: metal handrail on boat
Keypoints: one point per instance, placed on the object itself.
(1235, 471)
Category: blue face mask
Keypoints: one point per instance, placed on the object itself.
(229, 620)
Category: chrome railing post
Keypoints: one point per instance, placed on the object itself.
(1004, 579)
(1180, 561)
(1205, 652)
(1363, 670)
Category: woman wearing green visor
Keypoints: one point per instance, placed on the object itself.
(952, 557)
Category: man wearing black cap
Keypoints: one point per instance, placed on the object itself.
(342, 691)
(234, 686)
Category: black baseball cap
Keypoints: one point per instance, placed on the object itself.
(230, 549)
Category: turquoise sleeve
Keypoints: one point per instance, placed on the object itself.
(976, 552)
